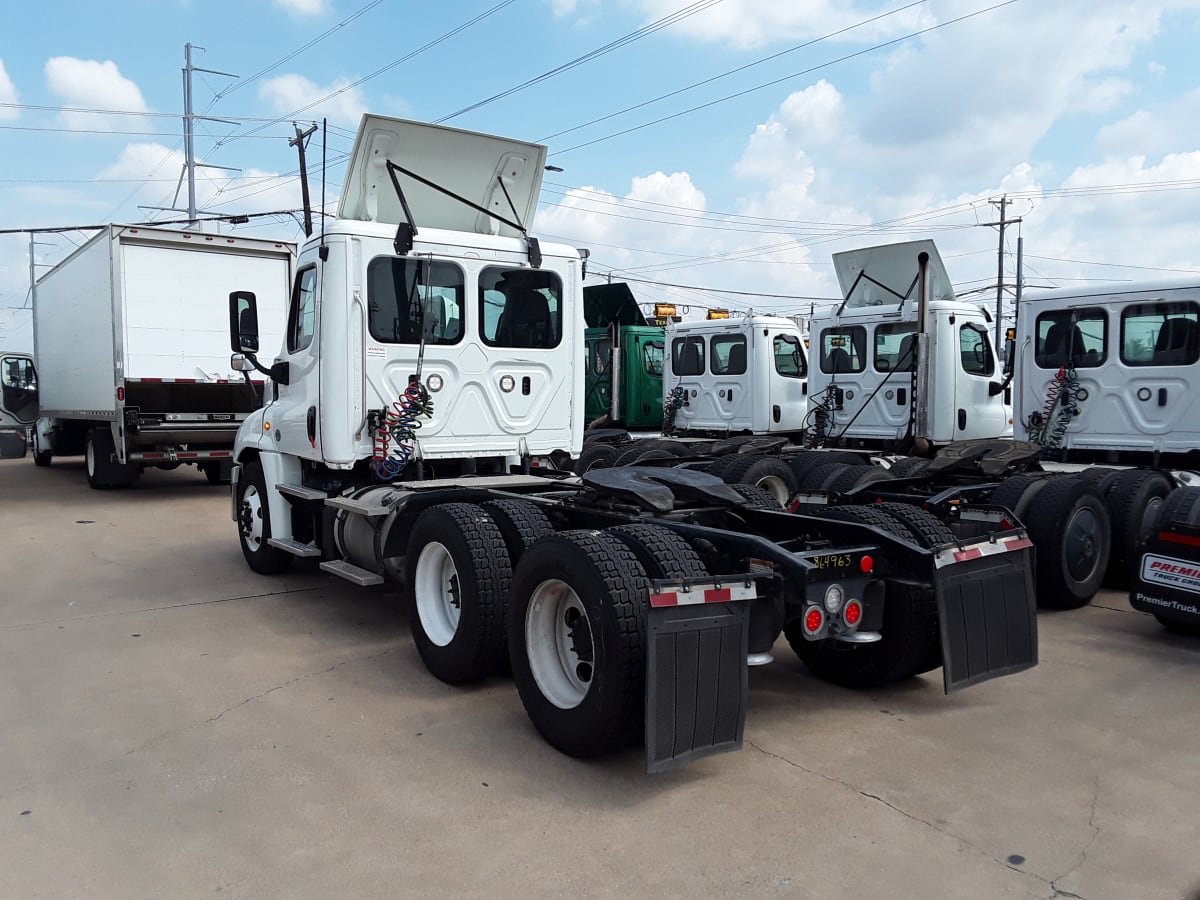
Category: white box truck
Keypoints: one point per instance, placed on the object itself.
(132, 349)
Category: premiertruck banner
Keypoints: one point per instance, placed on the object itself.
(1176, 573)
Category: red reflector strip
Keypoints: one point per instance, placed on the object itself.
(187, 455)
(217, 453)
(975, 551)
(154, 456)
(696, 595)
(166, 380)
(1189, 540)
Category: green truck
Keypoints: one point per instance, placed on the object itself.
(623, 386)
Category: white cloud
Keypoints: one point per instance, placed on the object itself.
(747, 24)
(1156, 129)
(217, 191)
(303, 7)
(89, 84)
(287, 93)
(8, 94)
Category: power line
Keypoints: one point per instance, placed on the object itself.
(726, 74)
(776, 81)
(657, 25)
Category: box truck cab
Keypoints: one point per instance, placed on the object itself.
(743, 375)
(18, 403)
(902, 358)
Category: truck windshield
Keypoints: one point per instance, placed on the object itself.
(408, 298)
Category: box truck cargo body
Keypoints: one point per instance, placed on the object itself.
(132, 349)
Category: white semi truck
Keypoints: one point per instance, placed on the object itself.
(132, 367)
(431, 372)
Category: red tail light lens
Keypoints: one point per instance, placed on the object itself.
(814, 619)
(866, 564)
(853, 612)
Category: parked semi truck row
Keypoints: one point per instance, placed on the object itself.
(433, 354)
(1101, 384)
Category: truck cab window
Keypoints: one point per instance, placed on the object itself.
(687, 356)
(601, 355)
(302, 318)
(1160, 334)
(975, 351)
(789, 356)
(520, 308)
(843, 350)
(652, 357)
(728, 354)
(896, 347)
(1078, 336)
(410, 298)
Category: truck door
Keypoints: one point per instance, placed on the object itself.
(1160, 394)
(730, 393)
(843, 357)
(18, 390)
(688, 365)
(787, 375)
(978, 413)
(295, 414)
(893, 362)
(1075, 339)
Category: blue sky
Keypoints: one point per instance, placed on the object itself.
(826, 124)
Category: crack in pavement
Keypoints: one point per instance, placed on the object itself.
(129, 612)
(961, 840)
(158, 739)
(1059, 892)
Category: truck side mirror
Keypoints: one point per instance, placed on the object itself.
(243, 322)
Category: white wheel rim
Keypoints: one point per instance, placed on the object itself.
(437, 589)
(776, 487)
(561, 674)
(252, 524)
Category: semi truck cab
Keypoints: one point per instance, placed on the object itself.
(902, 357)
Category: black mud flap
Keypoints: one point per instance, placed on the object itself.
(1167, 580)
(696, 682)
(12, 445)
(988, 610)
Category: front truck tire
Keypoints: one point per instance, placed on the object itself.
(577, 641)
(254, 524)
(41, 456)
(457, 579)
(103, 471)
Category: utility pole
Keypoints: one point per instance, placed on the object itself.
(1003, 203)
(189, 118)
(300, 141)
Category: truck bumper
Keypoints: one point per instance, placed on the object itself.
(987, 606)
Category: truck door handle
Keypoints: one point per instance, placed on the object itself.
(902, 396)
(962, 420)
(1162, 396)
(312, 425)
(776, 413)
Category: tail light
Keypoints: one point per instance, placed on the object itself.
(852, 614)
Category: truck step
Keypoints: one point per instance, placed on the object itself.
(351, 572)
(370, 510)
(295, 547)
(301, 492)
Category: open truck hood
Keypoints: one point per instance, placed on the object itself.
(892, 265)
(465, 162)
(604, 304)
